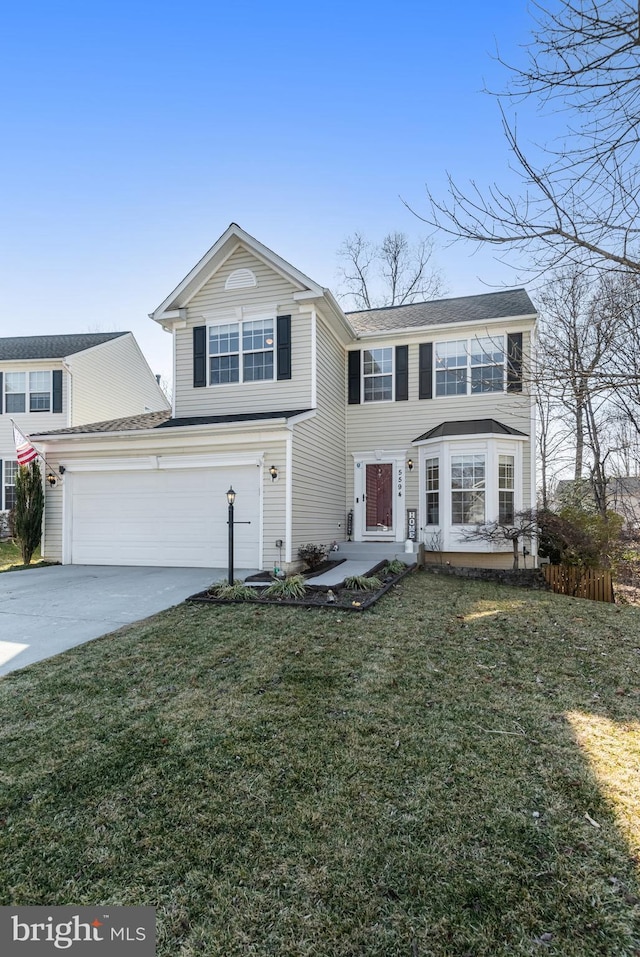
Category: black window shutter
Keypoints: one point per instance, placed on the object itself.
(1, 404)
(402, 373)
(284, 347)
(354, 377)
(57, 390)
(514, 362)
(1, 486)
(425, 382)
(199, 356)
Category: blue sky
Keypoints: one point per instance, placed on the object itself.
(135, 132)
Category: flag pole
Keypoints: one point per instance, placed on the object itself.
(28, 452)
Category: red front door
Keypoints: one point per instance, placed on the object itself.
(379, 497)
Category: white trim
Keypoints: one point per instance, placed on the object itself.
(444, 448)
(214, 259)
(373, 375)
(397, 458)
(142, 463)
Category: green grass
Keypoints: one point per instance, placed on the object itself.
(417, 780)
(11, 558)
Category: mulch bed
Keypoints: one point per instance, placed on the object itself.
(317, 596)
(327, 566)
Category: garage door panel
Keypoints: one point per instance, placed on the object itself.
(164, 517)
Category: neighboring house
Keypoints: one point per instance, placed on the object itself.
(409, 421)
(51, 382)
(623, 496)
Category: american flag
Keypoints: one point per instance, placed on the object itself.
(25, 452)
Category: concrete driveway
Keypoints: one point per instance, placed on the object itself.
(44, 611)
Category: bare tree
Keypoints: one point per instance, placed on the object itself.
(392, 273)
(588, 380)
(523, 527)
(580, 203)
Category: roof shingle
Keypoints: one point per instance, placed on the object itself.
(52, 347)
(484, 307)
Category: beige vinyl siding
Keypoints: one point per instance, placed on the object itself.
(111, 381)
(271, 296)
(51, 546)
(319, 454)
(274, 506)
(270, 444)
(394, 425)
(473, 559)
(31, 422)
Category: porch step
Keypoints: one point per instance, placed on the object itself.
(373, 552)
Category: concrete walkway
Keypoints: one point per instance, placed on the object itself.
(348, 569)
(44, 611)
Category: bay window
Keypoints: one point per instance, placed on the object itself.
(467, 489)
(432, 471)
(506, 489)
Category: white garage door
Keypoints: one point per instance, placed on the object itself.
(165, 517)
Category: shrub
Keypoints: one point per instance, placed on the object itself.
(236, 591)
(28, 509)
(313, 555)
(293, 587)
(362, 583)
(575, 536)
(395, 567)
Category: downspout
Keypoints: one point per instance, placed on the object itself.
(314, 359)
(288, 521)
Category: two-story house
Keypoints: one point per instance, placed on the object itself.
(57, 381)
(414, 421)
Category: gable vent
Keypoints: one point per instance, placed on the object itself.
(240, 279)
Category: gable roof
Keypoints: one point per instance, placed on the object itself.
(233, 237)
(52, 347)
(469, 427)
(509, 303)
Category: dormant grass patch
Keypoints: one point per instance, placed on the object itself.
(451, 773)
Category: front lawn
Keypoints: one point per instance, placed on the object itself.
(452, 773)
(11, 557)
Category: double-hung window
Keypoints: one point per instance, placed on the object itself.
(10, 470)
(15, 391)
(27, 392)
(432, 471)
(469, 366)
(377, 374)
(506, 489)
(241, 351)
(487, 364)
(468, 487)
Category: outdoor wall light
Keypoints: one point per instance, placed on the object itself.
(410, 464)
(51, 479)
(231, 496)
(273, 472)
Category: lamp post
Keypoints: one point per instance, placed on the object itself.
(231, 497)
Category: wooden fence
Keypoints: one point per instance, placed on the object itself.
(593, 583)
